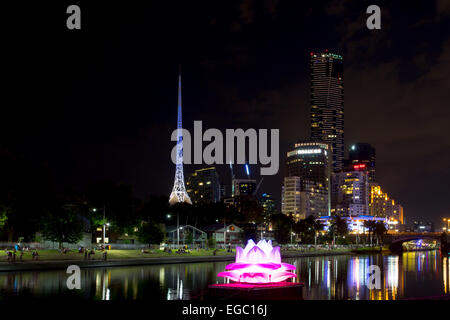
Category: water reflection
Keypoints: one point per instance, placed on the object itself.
(412, 274)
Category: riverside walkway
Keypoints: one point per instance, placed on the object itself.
(55, 263)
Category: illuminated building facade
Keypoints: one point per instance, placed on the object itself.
(301, 199)
(203, 186)
(243, 187)
(423, 226)
(291, 202)
(381, 205)
(355, 223)
(268, 204)
(310, 161)
(350, 193)
(327, 103)
(363, 154)
(316, 198)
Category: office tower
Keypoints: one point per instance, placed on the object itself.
(317, 199)
(268, 204)
(350, 193)
(311, 162)
(243, 187)
(327, 103)
(381, 205)
(203, 186)
(291, 202)
(363, 153)
(179, 193)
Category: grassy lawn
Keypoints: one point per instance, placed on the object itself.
(48, 255)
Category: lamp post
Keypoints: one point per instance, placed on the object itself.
(224, 234)
(104, 223)
(178, 228)
(104, 226)
(448, 223)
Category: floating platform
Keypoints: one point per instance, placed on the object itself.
(248, 291)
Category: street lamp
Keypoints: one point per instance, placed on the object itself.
(104, 223)
(178, 228)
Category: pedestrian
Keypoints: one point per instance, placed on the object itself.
(35, 255)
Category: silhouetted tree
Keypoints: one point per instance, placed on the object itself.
(62, 225)
(339, 227)
(371, 226)
(150, 233)
(282, 225)
(119, 204)
(25, 195)
(380, 230)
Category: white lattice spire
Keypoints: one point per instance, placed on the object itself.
(179, 193)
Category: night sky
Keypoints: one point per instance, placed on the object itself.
(101, 102)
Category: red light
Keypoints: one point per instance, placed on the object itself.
(311, 53)
(362, 165)
(359, 166)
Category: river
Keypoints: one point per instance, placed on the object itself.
(408, 275)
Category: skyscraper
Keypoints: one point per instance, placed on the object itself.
(203, 186)
(179, 193)
(350, 193)
(381, 205)
(291, 202)
(363, 153)
(327, 103)
(310, 161)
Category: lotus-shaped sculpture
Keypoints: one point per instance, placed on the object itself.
(258, 263)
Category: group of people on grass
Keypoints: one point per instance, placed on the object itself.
(11, 255)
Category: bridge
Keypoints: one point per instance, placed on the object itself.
(397, 239)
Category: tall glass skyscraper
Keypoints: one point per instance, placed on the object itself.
(327, 103)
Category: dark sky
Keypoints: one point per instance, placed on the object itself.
(100, 103)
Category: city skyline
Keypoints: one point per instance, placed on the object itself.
(113, 121)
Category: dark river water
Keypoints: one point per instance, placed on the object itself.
(409, 275)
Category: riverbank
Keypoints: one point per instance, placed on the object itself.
(53, 260)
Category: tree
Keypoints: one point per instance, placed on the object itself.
(308, 229)
(339, 227)
(380, 230)
(371, 226)
(155, 208)
(189, 238)
(150, 233)
(3, 218)
(119, 204)
(62, 225)
(282, 225)
(211, 242)
(26, 194)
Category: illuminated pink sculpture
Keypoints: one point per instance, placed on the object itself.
(258, 263)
